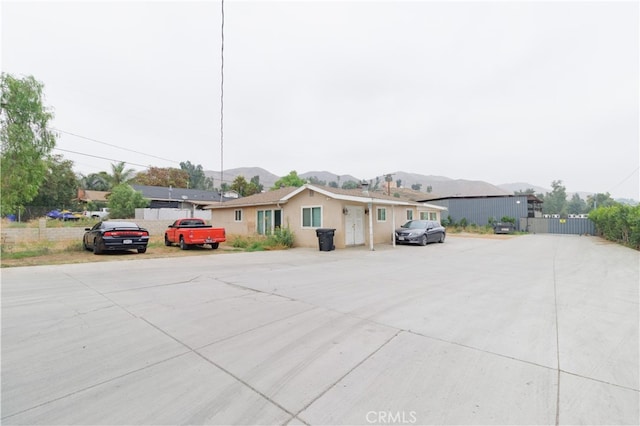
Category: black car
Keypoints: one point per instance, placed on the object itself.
(421, 232)
(115, 235)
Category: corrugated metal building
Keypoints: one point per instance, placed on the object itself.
(479, 209)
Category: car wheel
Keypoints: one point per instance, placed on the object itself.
(96, 247)
(166, 241)
(442, 238)
(214, 246)
(183, 246)
(423, 240)
(142, 250)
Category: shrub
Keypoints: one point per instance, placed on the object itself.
(619, 223)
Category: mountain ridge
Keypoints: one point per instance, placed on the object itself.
(440, 186)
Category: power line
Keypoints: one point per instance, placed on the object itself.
(101, 158)
(112, 145)
(624, 180)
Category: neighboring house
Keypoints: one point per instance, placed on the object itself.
(478, 209)
(178, 198)
(357, 216)
(86, 195)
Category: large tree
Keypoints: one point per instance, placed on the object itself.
(197, 178)
(169, 176)
(120, 174)
(95, 181)
(576, 205)
(58, 190)
(555, 202)
(26, 140)
(292, 179)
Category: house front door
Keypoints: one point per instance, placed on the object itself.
(354, 226)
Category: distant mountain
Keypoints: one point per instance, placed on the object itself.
(440, 186)
(267, 179)
(522, 186)
(329, 177)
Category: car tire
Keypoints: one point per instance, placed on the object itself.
(142, 250)
(215, 246)
(441, 238)
(166, 241)
(423, 240)
(183, 245)
(96, 247)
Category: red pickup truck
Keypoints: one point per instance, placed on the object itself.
(193, 232)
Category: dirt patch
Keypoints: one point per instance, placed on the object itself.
(70, 252)
(485, 236)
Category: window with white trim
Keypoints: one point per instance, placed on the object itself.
(433, 216)
(312, 217)
(268, 221)
(382, 214)
(409, 214)
(424, 215)
(237, 215)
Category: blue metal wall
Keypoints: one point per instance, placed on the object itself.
(572, 226)
(478, 210)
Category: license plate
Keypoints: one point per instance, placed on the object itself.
(401, 238)
(209, 240)
(127, 242)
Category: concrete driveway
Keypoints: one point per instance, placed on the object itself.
(536, 329)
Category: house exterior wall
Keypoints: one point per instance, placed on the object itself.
(333, 217)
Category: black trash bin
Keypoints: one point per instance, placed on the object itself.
(325, 239)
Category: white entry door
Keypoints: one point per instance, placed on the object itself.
(354, 226)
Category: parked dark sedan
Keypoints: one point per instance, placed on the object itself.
(421, 232)
(115, 235)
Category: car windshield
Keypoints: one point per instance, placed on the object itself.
(415, 224)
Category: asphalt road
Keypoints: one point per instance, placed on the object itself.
(536, 329)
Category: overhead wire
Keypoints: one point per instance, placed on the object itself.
(222, 97)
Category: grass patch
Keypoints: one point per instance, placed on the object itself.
(281, 239)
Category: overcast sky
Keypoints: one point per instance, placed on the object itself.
(503, 91)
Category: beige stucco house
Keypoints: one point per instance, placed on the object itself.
(358, 217)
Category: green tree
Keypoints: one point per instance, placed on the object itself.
(350, 184)
(416, 186)
(429, 189)
(292, 179)
(398, 183)
(197, 178)
(26, 140)
(124, 200)
(576, 205)
(58, 190)
(240, 185)
(95, 181)
(317, 181)
(555, 202)
(388, 179)
(599, 200)
(333, 184)
(120, 174)
(255, 187)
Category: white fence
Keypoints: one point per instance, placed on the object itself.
(171, 214)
